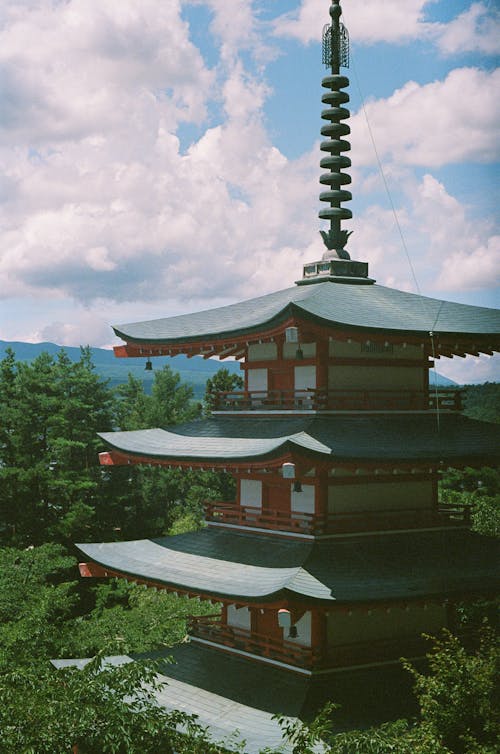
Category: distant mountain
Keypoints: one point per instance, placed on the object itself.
(194, 371)
(438, 379)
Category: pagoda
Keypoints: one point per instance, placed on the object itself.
(334, 557)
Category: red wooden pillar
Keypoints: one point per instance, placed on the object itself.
(322, 358)
(319, 637)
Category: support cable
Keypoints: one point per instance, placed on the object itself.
(398, 225)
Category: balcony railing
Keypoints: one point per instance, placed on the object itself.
(210, 628)
(445, 399)
(329, 523)
(457, 512)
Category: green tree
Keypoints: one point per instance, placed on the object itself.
(98, 709)
(147, 501)
(458, 696)
(37, 599)
(170, 402)
(223, 381)
(49, 472)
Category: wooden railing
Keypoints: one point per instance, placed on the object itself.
(210, 628)
(458, 512)
(445, 399)
(329, 523)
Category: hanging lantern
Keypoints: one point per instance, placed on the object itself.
(292, 335)
(284, 618)
(149, 366)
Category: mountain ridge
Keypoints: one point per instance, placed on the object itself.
(195, 370)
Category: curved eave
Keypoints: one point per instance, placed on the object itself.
(149, 445)
(225, 565)
(350, 440)
(350, 310)
(196, 573)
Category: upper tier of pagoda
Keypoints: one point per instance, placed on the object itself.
(346, 312)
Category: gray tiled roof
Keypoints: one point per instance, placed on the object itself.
(350, 306)
(229, 692)
(389, 437)
(366, 696)
(226, 718)
(396, 566)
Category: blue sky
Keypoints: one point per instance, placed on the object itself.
(159, 158)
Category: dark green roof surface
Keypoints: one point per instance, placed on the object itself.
(367, 696)
(352, 306)
(396, 566)
(388, 437)
(230, 692)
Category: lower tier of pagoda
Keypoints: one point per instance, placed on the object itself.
(230, 692)
(312, 606)
(325, 641)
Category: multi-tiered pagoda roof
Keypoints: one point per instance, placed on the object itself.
(336, 554)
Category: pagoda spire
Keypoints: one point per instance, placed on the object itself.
(335, 56)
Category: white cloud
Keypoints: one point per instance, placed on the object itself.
(477, 268)
(98, 259)
(471, 370)
(386, 20)
(102, 202)
(86, 329)
(448, 250)
(477, 29)
(433, 124)
(236, 26)
(102, 207)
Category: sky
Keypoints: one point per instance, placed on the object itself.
(160, 156)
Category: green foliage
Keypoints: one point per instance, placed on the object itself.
(131, 618)
(479, 491)
(486, 516)
(306, 737)
(100, 709)
(399, 737)
(458, 697)
(51, 485)
(222, 381)
(483, 401)
(42, 616)
(36, 601)
(52, 410)
(170, 402)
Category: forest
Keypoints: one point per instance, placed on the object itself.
(54, 493)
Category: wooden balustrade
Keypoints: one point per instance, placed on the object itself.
(329, 523)
(459, 512)
(210, 628)
(445, 399)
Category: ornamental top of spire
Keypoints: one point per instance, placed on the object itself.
(336, 263)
